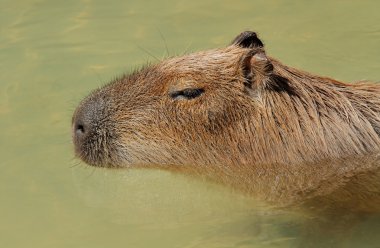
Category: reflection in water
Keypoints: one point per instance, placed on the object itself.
(53, 53)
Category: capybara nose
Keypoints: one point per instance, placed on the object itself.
(88, 124)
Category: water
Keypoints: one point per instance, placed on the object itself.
(52, 53)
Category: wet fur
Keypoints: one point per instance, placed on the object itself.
(271, 130)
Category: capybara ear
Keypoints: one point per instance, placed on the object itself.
(256, 68)
(256, 63)
(259, 74)
(247, 39)
(260, 62)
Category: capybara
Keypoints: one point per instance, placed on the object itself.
(239, 117)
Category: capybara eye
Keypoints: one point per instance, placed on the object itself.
(186, 94)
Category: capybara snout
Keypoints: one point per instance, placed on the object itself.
(92, 130)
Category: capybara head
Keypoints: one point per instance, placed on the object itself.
(184, 110)
(227, 108)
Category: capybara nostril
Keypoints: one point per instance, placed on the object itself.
(80, 129)
(81, 126)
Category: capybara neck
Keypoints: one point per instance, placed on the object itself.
(310, 118)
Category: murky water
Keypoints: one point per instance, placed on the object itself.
(52, 53)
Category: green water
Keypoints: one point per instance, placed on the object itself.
(52, 53)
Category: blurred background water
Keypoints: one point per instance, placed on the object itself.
(52, 53)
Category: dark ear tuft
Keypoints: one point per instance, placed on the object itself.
(247, 39)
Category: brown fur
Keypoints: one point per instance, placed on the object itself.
(277, 132)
